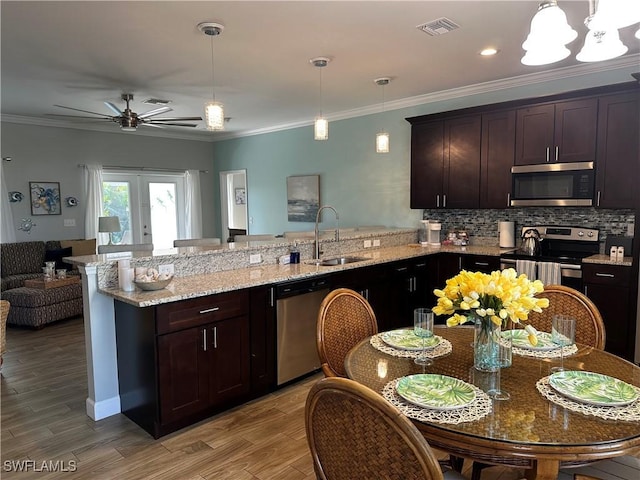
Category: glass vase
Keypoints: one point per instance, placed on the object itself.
(491, 351)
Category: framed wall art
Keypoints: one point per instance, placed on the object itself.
(303, 198)
(241, 196)
(45, 198)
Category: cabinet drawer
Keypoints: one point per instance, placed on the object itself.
(198, 311)
(606, 274)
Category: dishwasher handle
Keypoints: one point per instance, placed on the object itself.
(291, 289)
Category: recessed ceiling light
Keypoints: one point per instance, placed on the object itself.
(487, 52)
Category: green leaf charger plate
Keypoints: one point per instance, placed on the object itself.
(434, 391)
(520, 339)
(405, 339)
(593, 388)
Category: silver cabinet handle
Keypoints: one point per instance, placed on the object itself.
(508, 199)
(204, 339)
(215, 337)
(557, 152)
(209, 310)
(484, 264)
(548, 154)
(608, 275)
(459, 263)
(598, 199)
(271, 297)
(444, 201)
(438, 201)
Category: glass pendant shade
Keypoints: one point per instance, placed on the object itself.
(615, 14)
(549, 28)
(544, 56)
(638, 34)
(382, 142)
(601, 45)
(321, 129)
(214, 116)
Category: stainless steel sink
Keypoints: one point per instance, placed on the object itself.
(331, 262)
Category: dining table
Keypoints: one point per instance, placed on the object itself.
(537, 433)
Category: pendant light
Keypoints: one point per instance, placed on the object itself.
(603, 40)
(213, 110)
(548, 36)
(382, 137)
(320, 125)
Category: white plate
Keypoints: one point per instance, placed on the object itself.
(406, 339)
(434, 391)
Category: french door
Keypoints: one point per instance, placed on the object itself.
(147, 206)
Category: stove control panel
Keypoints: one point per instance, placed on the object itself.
(566, 233)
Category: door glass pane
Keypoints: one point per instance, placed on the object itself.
(164, 223)
(116, 202)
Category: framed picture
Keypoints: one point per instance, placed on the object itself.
(45, 198)
(303, 198)
(241, 196)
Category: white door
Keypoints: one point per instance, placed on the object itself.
(147, 206)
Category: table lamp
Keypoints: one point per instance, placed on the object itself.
(108, 225)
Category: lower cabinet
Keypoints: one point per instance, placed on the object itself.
(611, 289)
(410, 288)
(181, 362)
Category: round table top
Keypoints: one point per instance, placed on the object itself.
(528, 423)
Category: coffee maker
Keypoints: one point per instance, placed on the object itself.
(433, 233)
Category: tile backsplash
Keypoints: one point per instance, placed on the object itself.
(482, 225)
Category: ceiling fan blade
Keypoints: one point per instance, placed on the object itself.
(78, 116)
(170, 124)
(155, 111)
(113, 108)
(177, 119)
(85, 111)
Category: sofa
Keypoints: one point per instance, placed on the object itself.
(36, 307)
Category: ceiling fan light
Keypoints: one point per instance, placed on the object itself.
(321, 129)
(549, 26)
(125, 128)
(545, 56)
(599, 46)
(214, 116)
(382, 142)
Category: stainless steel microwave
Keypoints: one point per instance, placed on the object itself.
(553, 185)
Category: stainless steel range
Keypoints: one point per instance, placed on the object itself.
(566, 246)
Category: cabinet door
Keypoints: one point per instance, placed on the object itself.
(480, 263)
(462, 163)
(427, 163)
(575, 131)
(618, 156)
(534, 134)
(612, 301)
(183, 369)
(263, 339)
(229, 347)
(496, 159)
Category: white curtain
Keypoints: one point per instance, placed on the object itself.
(193, 221)
(93, 200)
(8, 231)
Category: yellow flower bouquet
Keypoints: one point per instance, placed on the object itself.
(490, 300)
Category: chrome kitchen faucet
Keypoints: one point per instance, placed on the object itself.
(317, 233)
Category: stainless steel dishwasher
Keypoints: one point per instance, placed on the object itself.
(297, 308)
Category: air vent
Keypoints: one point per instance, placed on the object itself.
(157, 101)
(438, 27)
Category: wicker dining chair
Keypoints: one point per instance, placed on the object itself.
(578, 476)
(568, 301)
(4, 313)
(564, 301)
(344, 319)
(354, 433)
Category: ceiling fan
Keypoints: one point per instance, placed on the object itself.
(129, 120)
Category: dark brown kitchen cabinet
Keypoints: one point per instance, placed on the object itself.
(445, 163)
(496, 158)
(480, 263)
(411, 286)
(618, 155)
(263, 339)
(611, 289)
(183, 361)
(557, 132)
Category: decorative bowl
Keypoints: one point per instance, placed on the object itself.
(157, 285)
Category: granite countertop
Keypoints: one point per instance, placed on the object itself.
(606, 260)
(192, 286)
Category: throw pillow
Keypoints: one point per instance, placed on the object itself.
(57, 256)
(80, 247)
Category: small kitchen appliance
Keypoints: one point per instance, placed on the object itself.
(433, 233)
(531, 242)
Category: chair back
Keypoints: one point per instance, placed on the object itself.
(354, 433)
(196, 242)
(131, 247)
(568, 301)
(344, 319)
(4, 313)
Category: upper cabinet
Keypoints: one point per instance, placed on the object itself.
(445, 163)
(618, 156)
(557, 132)
(496, 159)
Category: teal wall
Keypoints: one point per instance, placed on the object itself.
(366, 188)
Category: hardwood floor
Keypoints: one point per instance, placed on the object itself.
(44, 421)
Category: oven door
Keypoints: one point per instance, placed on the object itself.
(570, 274)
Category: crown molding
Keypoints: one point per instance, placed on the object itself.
(625, 62)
